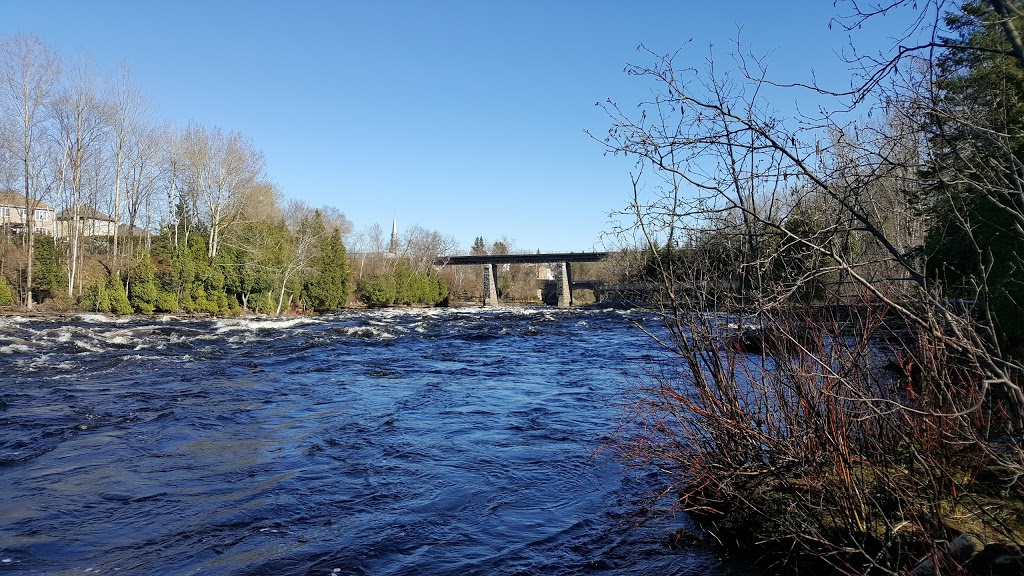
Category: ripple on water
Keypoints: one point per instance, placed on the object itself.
(366, 442)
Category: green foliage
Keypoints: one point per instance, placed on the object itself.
(379, 290)
(404, 286)
(108, 296)
(263, 303)
(479, 247)
(250, 268)
(47, 274)
(6, 293)
(797, 265)
(142, 287)
(95, 298)
(186, 281)
(244, 272)
(165, 302)
(670, 261)
(975, 246)
(118, 299)
(328, 286)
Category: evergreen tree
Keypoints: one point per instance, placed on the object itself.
(6, 293)
(107, 296)
(48, 274)
(95, 298)
(117, 297)
(142, 288)
(328, 287)
(975, 243)
(403, 285)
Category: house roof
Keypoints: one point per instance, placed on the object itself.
(85, 213)
(126, 230)
(12, 198)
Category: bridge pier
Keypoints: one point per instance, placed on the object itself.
(490, 285)
(563, 284)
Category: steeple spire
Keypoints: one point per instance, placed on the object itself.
(393, 248)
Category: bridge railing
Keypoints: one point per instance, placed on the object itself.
(525, 258)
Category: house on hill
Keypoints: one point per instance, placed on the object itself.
(124, 231)
(13, 212)
(91, 222)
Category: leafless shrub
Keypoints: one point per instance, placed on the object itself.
(828, 400)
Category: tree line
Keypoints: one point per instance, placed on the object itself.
(150, 216)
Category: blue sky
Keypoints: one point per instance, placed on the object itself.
(465, 117)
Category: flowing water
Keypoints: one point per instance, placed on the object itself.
(371, 442)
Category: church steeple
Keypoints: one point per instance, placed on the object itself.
(393, 248)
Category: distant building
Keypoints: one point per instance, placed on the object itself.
(91, 222)
(393, 247)
(125, 231)
(12, 214)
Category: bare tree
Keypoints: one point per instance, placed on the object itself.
(29, 72)
(221, 170)
(369, 246)
(79, 117)
(182, 201)
(336, 219)
(744, 212)
(140, 175)
(130, 117)
(422, 246)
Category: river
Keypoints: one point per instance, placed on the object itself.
(440, 441)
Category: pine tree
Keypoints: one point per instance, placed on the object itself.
(328, 287)
(479, 247)
(975, 243)
(48, 274)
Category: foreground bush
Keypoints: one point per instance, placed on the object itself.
(865, 441)
(831, 443)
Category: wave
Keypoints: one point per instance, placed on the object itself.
(103, 319)
(15, 348)
(228, 324)
(366, 332)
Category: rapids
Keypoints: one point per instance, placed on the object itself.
(370, 442)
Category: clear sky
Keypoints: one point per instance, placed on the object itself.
(465, 117)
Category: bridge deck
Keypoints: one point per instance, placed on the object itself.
(522, 258)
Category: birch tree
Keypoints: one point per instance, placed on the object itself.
(130, 115)
(171, 180)
(222, 170)
(79, 117)
(140, 177)
(307, 230)
(29, 72)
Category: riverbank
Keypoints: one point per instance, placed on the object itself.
(977, 533)
(833, 447)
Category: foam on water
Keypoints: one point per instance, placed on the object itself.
(104, 319)
(368, 332)
(421, 441)
(262, 323)
(14, 349)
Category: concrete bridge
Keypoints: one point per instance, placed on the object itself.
(563, 270)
